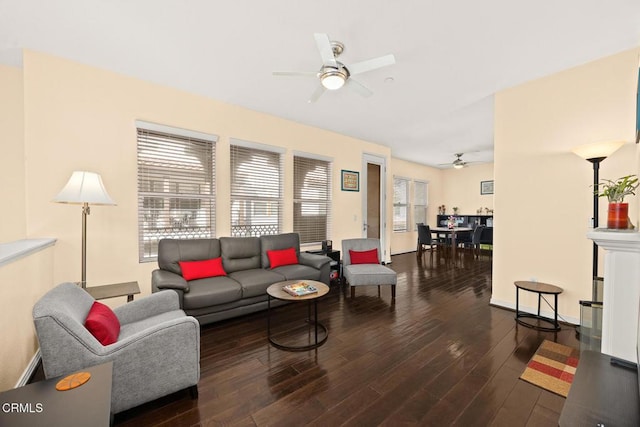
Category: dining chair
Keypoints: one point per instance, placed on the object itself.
(463, 239)
(425, 240)
(474, 243)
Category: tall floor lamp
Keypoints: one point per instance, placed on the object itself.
(596, 153)
(84, 188)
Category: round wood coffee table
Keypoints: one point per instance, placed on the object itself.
(275, 291)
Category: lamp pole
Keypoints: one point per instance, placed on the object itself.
(86, 210)
(596, 179)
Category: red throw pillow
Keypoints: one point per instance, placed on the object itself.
(282, 257)
(364, 257)
(102, 323)
(192, 270)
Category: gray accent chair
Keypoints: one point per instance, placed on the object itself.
(157, 352)
(366, 274)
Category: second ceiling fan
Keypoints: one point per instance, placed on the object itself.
(334, 74)
(458, 163)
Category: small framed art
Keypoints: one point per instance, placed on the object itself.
(350, 180)
(486, 187)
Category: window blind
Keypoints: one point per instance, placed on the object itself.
(176, 189)
(311, 199)
(420, 202)
(400, 204)
(256, 191)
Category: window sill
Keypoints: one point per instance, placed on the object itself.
(13, 251)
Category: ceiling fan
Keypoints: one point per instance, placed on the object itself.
(334, 74)
(458, 163)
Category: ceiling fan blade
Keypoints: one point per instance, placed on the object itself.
(317, 94)
(371, 64)
(356, 86)
(326, 52)
(296, 73)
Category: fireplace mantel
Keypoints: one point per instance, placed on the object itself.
(621, 297)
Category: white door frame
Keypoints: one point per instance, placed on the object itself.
(382, 162)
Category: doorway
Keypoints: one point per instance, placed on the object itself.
(373, 194)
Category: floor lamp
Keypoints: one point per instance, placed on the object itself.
(596, 153)
(84, 188)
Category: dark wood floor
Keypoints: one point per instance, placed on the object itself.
(439, 355)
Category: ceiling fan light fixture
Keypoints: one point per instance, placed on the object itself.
(459, 165)
(333, 78)
(332, 81)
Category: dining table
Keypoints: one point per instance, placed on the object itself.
(451, 234)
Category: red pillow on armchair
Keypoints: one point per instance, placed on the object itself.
(364, 257)
(102, 323)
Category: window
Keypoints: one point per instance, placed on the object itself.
(256, 190)
(176, 186)
(420, 202)
(400, 204)
(311, 198)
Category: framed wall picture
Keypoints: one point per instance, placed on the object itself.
(486, 187)
(350, 180)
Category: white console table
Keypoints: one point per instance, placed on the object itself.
(621, 297)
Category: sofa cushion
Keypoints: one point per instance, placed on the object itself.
(364, 257)
(240, 253)
(281, 257)
(192, 270)
(298, 272)
(102, 323)
(172, 251)
(256, 281)
(278, 241)
(211, 291)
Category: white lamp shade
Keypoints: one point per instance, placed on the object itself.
(84, 187)
(597, 149)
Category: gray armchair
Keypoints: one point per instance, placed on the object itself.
(157, 351)
(366, 274)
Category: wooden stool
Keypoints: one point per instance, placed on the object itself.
(539, 288)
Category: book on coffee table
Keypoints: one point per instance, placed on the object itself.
(300, 289)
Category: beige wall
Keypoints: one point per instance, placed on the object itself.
(543, 201)
(22, 282)
(461, 188)
(80, 117)
(12, 165)
(406, 241)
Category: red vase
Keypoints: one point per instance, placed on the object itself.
(618, 216)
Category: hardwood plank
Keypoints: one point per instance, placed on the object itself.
(438, 354)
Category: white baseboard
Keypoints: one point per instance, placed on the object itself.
(534, 310)
(28, 372)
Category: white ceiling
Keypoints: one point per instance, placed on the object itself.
(451, 57)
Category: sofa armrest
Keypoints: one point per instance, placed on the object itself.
(314, 260)
(151, 305)
(163, 279)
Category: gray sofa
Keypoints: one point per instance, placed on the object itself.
(245, 260)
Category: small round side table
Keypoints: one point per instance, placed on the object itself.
(540, 289)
